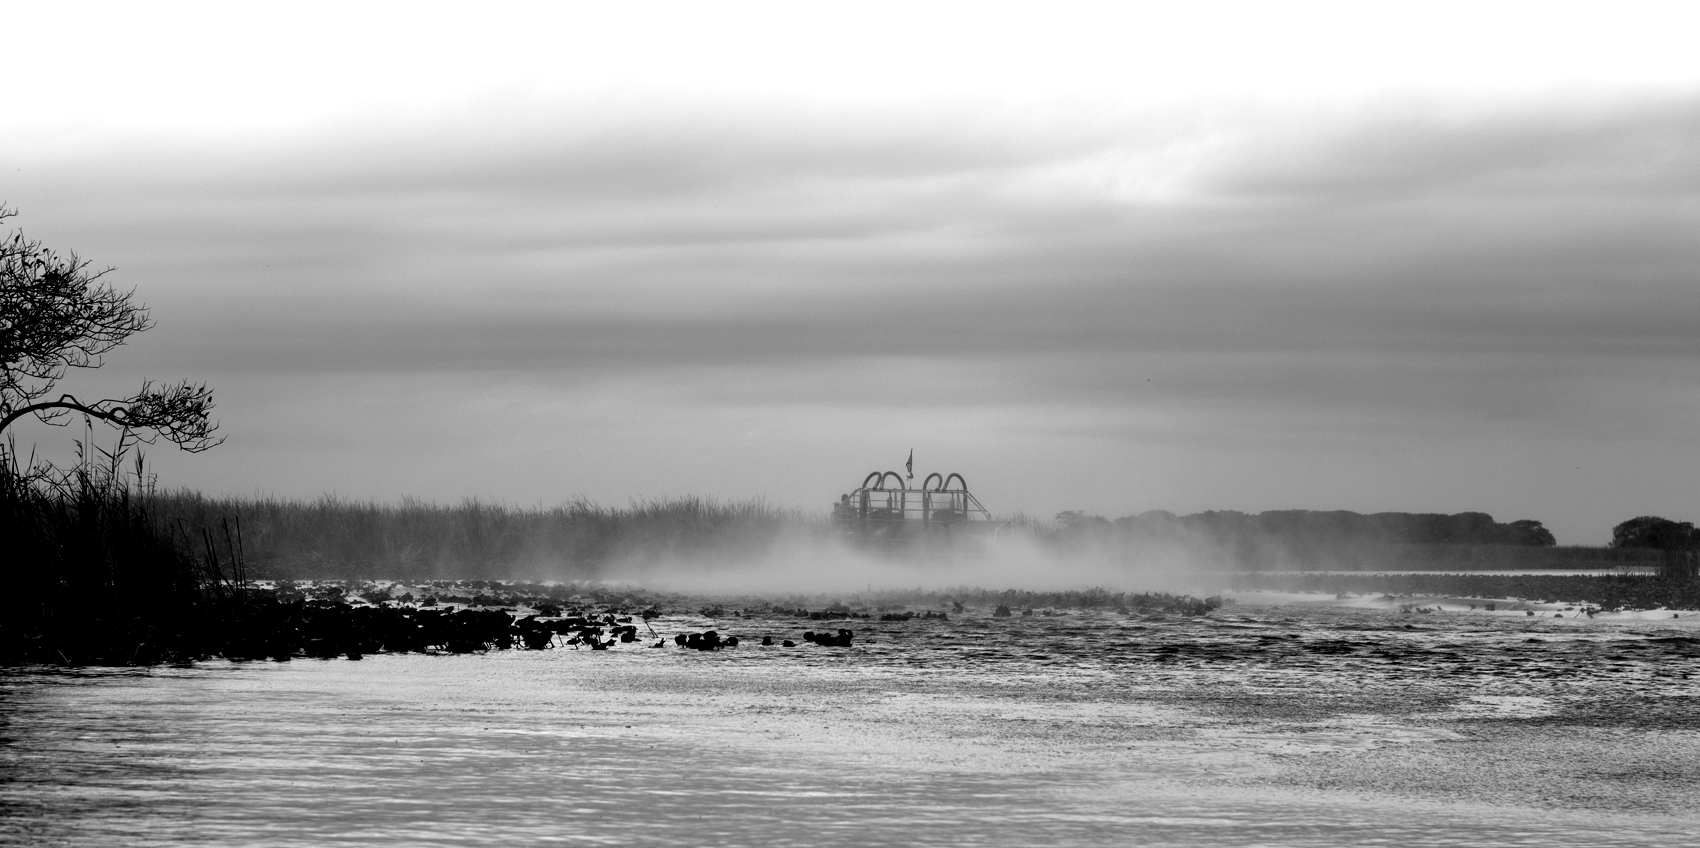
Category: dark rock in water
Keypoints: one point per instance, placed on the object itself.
(680, 639)
(1001, 612)
(832, 614)
(788, 644)
(323, 649)
(732, 642)
(826, 640)
(767, 641)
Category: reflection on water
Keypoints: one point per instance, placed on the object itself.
(1261, 725)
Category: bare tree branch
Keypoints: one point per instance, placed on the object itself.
(179, 413)
(57, 314)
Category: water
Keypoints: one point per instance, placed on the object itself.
(1262, 725)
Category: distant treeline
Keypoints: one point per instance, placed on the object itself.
(1340, 540)
(1303, 526)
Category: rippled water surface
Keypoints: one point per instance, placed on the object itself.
(1260, 725)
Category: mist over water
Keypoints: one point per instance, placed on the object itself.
(822, 564)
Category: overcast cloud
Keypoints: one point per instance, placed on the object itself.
(1394, 299)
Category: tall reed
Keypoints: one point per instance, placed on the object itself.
(96, 577)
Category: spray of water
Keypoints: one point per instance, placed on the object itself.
(817, 565)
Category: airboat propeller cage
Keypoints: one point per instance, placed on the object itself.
(885, 507)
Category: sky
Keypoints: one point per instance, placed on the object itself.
(1425, 257)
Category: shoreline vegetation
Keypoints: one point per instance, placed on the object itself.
(97, 576)
(114, 572)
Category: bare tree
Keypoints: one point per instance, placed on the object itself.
(56, 314)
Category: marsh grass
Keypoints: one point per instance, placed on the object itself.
(345, 539)
(339, 538)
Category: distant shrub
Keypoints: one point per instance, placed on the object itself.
(1651, 531)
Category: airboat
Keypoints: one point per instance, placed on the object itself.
(886, 511)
